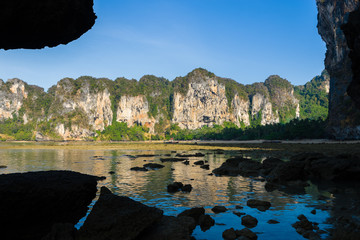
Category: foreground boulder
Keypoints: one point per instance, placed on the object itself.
(174, 228)
(194, 213)
(238, 166)
(116, 217)
(31, 203)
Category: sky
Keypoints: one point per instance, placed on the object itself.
(239, 39)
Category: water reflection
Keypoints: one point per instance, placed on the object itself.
(150, 187)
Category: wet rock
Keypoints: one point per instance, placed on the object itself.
(249, 168)
(305, 228)
(219, 209)
(141, 169)
(199, 162)
(111, 172)
(313, 211)
(194, 213)
(37, 200)
(186, 188)
(239, 207)
(186, 162)
(153, 165)
(271, 221)
(229, 234)
(61, 231)
(269, 164)
(230, 167)
(249, 221)
(190, 155)
(2, 166)
(116, 217)
(239, 214)
(287, 171)
(259, 204)
(247, 233)
(174, 187)
(168, 228)
(173, 159)
(211, 174)
(206, 166)
(206, 222)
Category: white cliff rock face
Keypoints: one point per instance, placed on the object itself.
(204, 104)
(134, 110)
(75, 133)
(12, 98)
(95, 105)
(241, 110)
(260, 103)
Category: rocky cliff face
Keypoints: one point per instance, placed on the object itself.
(135, 110)
(87, 107)
(12, 95)
(344, 116)
(205, 103)
(76, 109)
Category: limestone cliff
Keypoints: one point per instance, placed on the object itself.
(82, 106)
(77, 109)
(135, 110)
(12, 95)
(344, 116)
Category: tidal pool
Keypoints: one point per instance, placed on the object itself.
(208, 190)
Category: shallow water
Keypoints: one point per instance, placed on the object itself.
(150, 187)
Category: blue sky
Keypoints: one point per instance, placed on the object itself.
(239, 39)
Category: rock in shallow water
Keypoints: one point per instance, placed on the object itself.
(115, 217)
(33, 202)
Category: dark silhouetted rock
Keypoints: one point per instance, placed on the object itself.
(271, 221)
(2, 166)
(141, 169)
(230, 167)
(195, 213)
(37, 200)
(229, 234)
(186, 188)
(249, 221)
(206, 166)
(111, 172)
(186, 162)
(62, 231)
(41, 23)
(173, 159)
(239, 214)
(206, 222)
(117, 217)
(169, 228)
(190, 155)
(305, 228)
(247, 233)
(199, 162)
(219, 209)
(153, 165)
(313, 211)
(174, 187)
(259, 204)
(269, 164)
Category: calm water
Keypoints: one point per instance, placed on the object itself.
(150, 187)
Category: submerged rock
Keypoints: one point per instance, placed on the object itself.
(153, 165)
(116, 217)
(174, 187)
(142, 169)
(259, 204)
(219, 209)
(249, 221)
(31, 203)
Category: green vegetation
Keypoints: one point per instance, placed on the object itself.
(119, 131)
(314, 100)
(295, 129)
